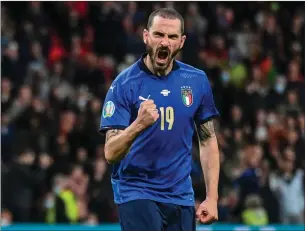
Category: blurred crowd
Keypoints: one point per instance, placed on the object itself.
(59, 59)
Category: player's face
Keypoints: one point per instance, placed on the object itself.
(163, 41)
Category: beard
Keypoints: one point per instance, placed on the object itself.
(161, 58)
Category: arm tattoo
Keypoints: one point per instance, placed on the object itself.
(111, 133)
(206, 131)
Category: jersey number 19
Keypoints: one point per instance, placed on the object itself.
(167, 114)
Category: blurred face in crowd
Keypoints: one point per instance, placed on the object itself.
(132, 7)
(77, 172)
(253, 156)
(82, 154)
(301, 120)
(272, 118)
(289, 159)
(92, 219)
(238, 135)
(271, 24)
(92, 60)
(193, 9)
(163, 41)
(100, 151)
(13, 51)
(156, 6)
(127, 24)
(292, 97)
(289, 154)
(68, 120)
(95, 105)
(294, 71)
(219, 10)
(28, 157)
(292, 137)
(58, 68)
(25, 94)
(218, 43)
(6, 217)
(38, 105)
(261, 116)
(100, 166)
(36, 49)
(35, 6)
(5, 86)
(236, 113)
(297, 23)
(73, 16)
(257, 74)
(229, 14)
(61, 182)
(291, 123)
(4, 120)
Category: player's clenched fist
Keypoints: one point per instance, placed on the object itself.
(148, 113)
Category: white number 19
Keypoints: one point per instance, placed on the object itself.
(168, 116)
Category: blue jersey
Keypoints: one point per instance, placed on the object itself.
(158, 165)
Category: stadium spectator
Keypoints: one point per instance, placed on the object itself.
(60, 204)
(254, 213)
(288, 186)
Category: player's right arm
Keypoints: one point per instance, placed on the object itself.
(118, 142)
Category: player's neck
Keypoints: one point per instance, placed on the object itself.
(150, 67)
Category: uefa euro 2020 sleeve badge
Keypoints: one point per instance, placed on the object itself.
(108, 109)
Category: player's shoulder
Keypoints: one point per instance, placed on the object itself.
(128, 75)
(190, 72)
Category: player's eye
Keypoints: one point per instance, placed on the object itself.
(158, 35)
(173, 37)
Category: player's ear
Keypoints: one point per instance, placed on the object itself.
(145, 35)
(183, 38)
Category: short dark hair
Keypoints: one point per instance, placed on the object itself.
(166, 13)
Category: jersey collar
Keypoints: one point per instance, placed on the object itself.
(144, 68)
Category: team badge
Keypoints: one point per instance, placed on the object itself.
(108, 109)
(187, 95)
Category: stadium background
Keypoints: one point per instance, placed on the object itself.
(58, 60)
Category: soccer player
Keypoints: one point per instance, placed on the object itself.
(150, 114)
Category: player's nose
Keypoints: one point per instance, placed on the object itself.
(165, 41)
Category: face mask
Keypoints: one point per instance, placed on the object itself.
(225, 77)
(4, 222)
(49, 203)
(261, 134)
(57, 189)
(39, 109)
(280, 88)
(271, 120)
(91, 222)
(82, 102)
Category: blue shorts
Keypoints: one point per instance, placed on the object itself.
(148, 215)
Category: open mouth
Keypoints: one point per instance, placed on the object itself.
(162, 56)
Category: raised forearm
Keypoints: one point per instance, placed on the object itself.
(118, 142)
(209, 157)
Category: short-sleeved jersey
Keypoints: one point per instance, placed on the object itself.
(158, 165)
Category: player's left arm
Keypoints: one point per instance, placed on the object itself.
(209, 154)
(209, 157)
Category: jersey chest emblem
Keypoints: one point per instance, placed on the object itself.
(187, 96)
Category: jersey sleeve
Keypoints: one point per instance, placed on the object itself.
(207, 109)
(116, 111)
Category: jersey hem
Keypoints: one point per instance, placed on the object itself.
(212, 117)
(169, 201)
(104, 129)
